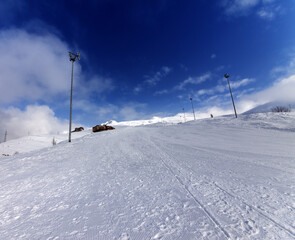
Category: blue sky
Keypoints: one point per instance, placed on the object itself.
(144, 58)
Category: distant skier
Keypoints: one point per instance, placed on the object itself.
(211, 115)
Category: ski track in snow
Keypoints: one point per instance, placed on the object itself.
(240, 200)
(201, 180)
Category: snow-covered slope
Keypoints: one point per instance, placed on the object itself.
(267, 107)
(217, 178)
(35, 142)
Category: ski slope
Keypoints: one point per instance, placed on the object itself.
(221, 178)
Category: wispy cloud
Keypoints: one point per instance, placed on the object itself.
(238, 7)
(153, 80)
(241, 83)
(284, 70)
(213, 56)
(193, 80)
(269, 12)
(164, 91)
(222, 87)
(265, 9)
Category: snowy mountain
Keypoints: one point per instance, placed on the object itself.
(220, 178)
(267, 107)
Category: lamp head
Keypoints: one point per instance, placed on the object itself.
(226, 75)
(74, 56)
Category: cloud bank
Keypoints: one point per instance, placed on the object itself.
(281, 91)
(33, 66)
(33, 120)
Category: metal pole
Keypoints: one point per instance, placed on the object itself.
(5, 136)
(184, 115)
(70, 127)
(193, 108)
(227, 77)
(72, 59)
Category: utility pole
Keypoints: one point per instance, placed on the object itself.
(184, 115)
(227, 77)
(5, 136)
(72, 59)
(193, 108)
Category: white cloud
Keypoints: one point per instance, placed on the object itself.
(193, 80)
(37, 67)
(263, 13)
(153, 80)
(222, 87)
(127, 111)
(137, 89)
(32, 66)
(33, 120)
(241, 83)
(282, 90)
(265, 9)
(287, 70)
(234, 7)
(130, 113)
(165, 91)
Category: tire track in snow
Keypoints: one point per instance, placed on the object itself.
(208, 214)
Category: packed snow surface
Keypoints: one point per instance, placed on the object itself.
(221, 178)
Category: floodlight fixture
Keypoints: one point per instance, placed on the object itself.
(72, 59)
(227, 77)
(193, 107)
(73, 56)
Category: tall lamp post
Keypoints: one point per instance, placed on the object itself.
(193, 108)
(183, 114)
(72, 59)
(227, 77)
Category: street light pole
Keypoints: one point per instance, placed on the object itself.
(72, 59)
(184, 115)
(5, 136)
(193, 108)
(227, 77)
